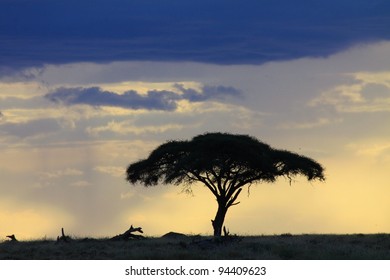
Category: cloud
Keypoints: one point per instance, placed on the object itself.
(320, 122)
(61, 173)
(207, 93)
(365, 93)
(127, 127)
(115, 171)
(153, 100)
(81, 184)
(372, 148)
(222, 32)
(94, 96)
(31, 129)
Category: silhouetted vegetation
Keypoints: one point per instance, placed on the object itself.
(224, 163)
(176, 246)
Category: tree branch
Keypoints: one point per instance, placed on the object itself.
(218, 178)
(250, 180)
(234, 198)
(199, 178)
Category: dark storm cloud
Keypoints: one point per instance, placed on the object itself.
(94, 96)
(35, 32)
(207, 92)
(152, 100)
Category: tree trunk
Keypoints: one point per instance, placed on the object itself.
(219, 218)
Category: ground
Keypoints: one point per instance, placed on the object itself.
(286, 246)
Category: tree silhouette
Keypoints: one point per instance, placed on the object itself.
(224, 163)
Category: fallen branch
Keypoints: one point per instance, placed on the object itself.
(12, 237)
(226, 231)
(128, 234)
(63, 238)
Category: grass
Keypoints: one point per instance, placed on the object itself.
(276, 247)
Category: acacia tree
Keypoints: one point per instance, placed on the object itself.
(224, 163)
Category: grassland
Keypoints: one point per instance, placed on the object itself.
(298, 247)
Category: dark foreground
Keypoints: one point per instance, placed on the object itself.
(285, 247)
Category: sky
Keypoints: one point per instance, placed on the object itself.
(88, 87)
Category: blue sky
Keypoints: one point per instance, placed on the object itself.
(87, 87)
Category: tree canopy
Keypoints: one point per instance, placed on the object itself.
(224, 163)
